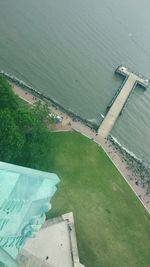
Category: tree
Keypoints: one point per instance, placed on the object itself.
(11, 138)
(36, 138)
(7, 98)
(23, 129)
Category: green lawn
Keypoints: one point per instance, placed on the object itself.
(113, 228)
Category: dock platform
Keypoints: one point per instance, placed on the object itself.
(132, 79)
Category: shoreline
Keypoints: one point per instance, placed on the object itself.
(43, 97)
(71, 124)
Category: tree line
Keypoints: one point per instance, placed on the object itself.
(23, 129)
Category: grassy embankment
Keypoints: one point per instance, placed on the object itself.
(113, 228)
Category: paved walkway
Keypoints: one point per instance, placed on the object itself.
(116, 108)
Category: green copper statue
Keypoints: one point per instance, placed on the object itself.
(24, 198)
(6, 260)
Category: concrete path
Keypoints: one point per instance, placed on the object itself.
(132, 80)
(116, 108)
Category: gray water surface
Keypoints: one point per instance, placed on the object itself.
(69, 50)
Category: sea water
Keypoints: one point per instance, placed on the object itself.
(69, 50)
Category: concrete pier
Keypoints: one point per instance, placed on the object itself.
(132, 79)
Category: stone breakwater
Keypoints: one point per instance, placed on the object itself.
(139, 168)
(49, 100)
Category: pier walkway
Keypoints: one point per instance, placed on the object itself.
(131, 81)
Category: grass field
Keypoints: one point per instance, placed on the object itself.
(113, 228)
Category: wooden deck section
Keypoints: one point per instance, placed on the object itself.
(132, 79)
